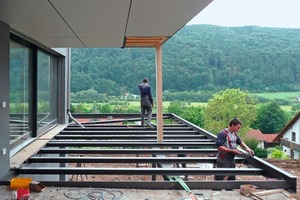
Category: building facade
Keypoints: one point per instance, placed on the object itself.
(34, 88)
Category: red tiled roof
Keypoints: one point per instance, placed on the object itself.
(270, 137)
(260, 136)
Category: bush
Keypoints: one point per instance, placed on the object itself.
(194, 114)
(261, 153)
(251, 142)
(176, 107)
(81, 108)
(277, 153)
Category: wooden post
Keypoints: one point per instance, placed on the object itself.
(159, 97)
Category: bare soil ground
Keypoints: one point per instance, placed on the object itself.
(290, 166)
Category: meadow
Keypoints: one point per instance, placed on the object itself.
(278, 95)
(135, 105)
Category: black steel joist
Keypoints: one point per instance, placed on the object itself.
(126, 151)
(81, 159)
(140, 171)
(120, 141)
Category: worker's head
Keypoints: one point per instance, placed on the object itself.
(145, 80)
(235, 125)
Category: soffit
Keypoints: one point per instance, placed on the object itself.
(99, 23)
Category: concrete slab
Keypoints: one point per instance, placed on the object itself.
(53, 193)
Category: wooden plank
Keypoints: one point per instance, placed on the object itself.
(269, 193)
(257, 196)
(53, 132)
(31, 149)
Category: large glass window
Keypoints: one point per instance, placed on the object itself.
(33, 90)
(46, 90)
(19, 91)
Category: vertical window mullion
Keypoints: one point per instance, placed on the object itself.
(33, 96)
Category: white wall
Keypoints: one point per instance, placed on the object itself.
(64, 90)
(288, 135)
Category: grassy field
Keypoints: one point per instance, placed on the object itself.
(135, 105)
(278, 95)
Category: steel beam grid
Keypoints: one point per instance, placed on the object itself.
(270, 170)
(184, 151)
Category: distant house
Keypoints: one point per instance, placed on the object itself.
(289, 138)
(264, 139)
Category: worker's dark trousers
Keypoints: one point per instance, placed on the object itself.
(225, 161)
(143, 114)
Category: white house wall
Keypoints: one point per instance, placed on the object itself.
(288, 135)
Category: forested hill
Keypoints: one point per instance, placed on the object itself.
(198, 57)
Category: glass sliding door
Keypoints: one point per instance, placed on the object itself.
(33, 90)
(46, 90)
(19, 91)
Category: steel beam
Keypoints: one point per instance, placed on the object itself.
(126, 151)
(124, 160)
(136, 137)
(127, 144)
(130, 131)
(141, 171)
(124, 127)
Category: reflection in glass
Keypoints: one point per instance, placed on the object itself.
(19, 91)
(46, 90)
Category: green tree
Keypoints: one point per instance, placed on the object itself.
(105, 108)
(176, 107)
(194, 115)
(196, 58)
(228, 104)
(295, 107)
(81, 108)
(270, 118)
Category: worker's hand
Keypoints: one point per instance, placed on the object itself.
(250, 151)
(236, 152)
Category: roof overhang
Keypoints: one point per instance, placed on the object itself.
(99, 23)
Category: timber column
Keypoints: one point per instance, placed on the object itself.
(159, 97)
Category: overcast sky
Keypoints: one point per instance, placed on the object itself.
(265, 13)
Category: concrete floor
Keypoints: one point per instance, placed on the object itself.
(51, 193)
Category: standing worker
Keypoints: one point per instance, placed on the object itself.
(227, 142)
(146, 102)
